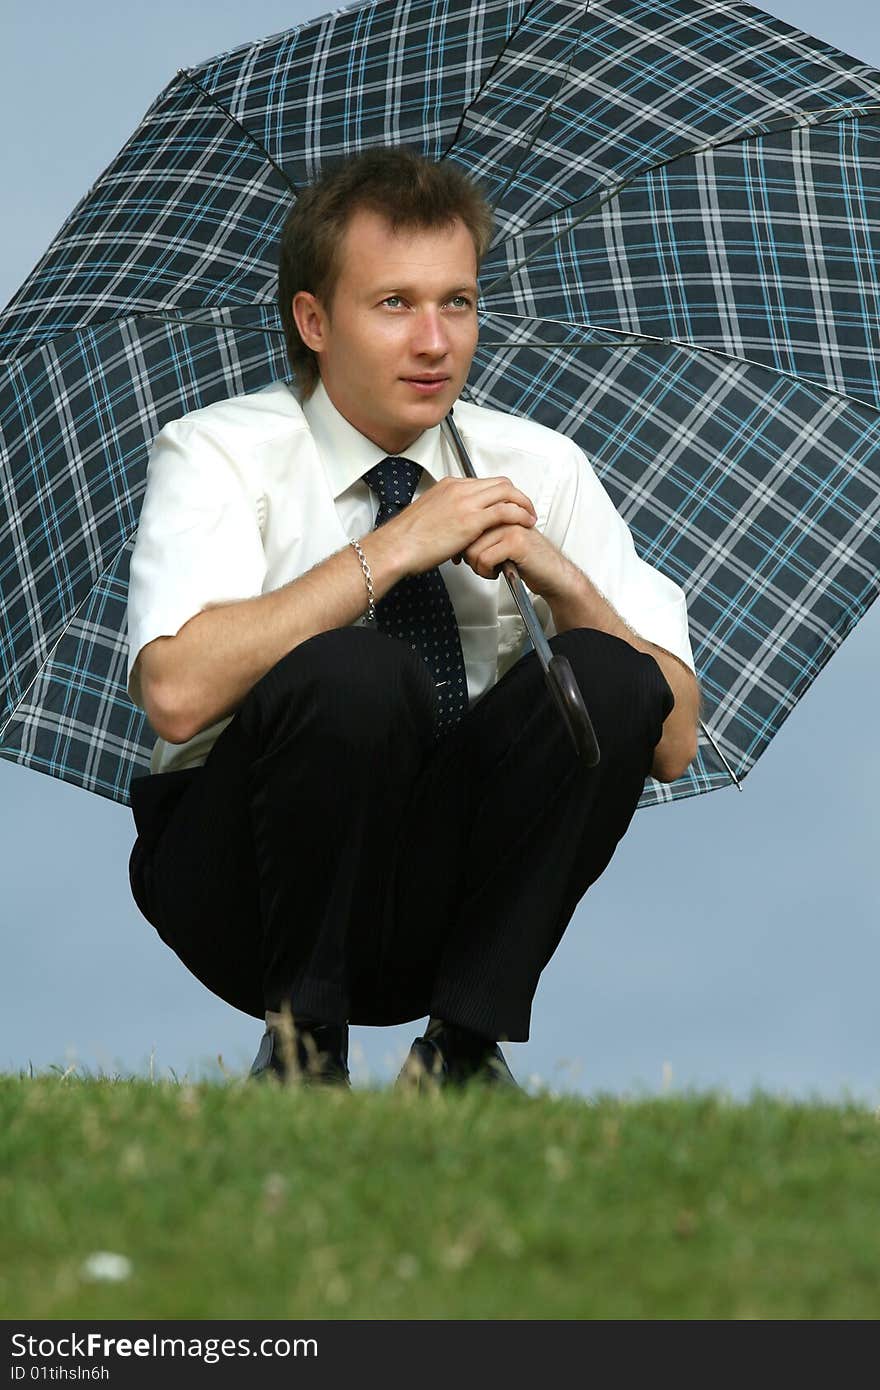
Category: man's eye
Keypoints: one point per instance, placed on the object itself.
(395, 297)
(461, 299)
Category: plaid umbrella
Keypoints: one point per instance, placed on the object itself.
(683, 279)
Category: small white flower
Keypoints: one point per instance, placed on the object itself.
(103, 1264)
(407, 1267)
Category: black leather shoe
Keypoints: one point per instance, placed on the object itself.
(451, 1057)
(320, 1056)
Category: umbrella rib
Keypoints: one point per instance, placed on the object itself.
(211, 323)
(642, 338)
(639, 340)
(483, 85)
(548, 106)
(741, 137)
(183, 72)
(736, 782)
(49, 655)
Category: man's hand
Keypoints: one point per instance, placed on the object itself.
(450, 516)
(543, 568)
(575, 602)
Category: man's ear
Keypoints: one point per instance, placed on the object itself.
(310, 319)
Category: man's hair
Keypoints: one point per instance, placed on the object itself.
(408, 190)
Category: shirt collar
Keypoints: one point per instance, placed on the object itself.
(347, 454)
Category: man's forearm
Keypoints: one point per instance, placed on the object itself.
(582, 605)
(221, 653)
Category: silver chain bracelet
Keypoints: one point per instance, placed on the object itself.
(371, 607)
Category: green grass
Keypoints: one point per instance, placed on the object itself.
(238, 1200)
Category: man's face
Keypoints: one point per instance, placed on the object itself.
(396, 347)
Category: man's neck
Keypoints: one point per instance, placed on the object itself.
(396, 450)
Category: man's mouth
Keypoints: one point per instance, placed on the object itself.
(426, 385)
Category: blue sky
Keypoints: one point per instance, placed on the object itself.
(732, 942)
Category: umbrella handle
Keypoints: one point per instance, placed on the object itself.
(566, 692)
(557, 668)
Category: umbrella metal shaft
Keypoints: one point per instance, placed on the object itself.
(508, 568)
(557, 669)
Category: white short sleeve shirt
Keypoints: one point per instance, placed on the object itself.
(245, 495)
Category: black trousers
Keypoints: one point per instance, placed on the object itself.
(331, 853)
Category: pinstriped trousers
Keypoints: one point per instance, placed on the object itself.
(331, 853)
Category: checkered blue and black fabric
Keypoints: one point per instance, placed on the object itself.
(685, 278)
(418, 609)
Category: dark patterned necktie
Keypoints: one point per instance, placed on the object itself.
(418, 608)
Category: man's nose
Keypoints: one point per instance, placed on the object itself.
(430, 333)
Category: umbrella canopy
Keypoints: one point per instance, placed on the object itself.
(683, 279)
